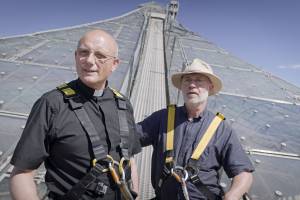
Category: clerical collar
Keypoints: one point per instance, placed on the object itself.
(184, 110)
(98, 93)
(90, 92)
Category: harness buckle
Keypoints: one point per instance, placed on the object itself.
(193, 172)
(194, 179)
(101, 189)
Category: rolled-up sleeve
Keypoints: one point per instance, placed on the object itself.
(235, 160)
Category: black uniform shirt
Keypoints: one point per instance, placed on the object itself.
(224, 150)
(53, 134)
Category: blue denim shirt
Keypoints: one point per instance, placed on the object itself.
(224, 150)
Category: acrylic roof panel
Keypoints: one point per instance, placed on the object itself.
(255, 83)
(216, 58)
(10, 47)
(283, 183)
(24, 83)
(274, 178)
(264, 124)
(71, 35)
(58, 53)
(10, 131)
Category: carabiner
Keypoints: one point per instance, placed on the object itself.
(177, 176)
(121, 167)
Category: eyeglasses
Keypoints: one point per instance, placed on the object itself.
(196, 81)
(100, 57)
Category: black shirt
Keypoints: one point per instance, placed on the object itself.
(54, 135)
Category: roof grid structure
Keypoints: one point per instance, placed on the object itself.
(264, 110)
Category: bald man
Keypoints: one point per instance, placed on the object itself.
(80, 131)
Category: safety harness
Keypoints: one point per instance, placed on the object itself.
(190, 171)
(102, 162)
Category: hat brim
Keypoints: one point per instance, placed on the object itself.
(215, 80)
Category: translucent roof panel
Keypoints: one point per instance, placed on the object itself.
(4, 189)
(274, 178)
(134, 18)
(10, 47)
(257, 84)
(10, 131)
(199, 44)
(71, 34)
(55, 53)
(23, 84)
(265, 125)
(111, 27)
(216, 58)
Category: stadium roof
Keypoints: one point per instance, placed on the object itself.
(263, 109)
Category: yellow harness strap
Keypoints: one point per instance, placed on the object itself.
(207, 136)
(204, 140)
(170, 131)
(118, 94)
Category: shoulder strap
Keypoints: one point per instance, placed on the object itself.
(124, 129)
(207, 136)
(76, 104)
(192, 163)
(170, 133)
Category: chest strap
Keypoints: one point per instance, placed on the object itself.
(124, 129)
(169, 168)
(90, 181)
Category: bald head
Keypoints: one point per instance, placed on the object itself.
(100, 38)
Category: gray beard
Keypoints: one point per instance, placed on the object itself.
(196, 100)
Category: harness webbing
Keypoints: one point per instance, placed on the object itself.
(98, 149)
(207, 136)
(170, 132)
(100, 153)
(203, 141)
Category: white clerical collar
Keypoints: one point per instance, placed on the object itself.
(98, 93)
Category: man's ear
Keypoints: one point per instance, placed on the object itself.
(116, 63)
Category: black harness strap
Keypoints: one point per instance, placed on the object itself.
(124, 130)
(90, 181)
(98, 149)
(193, 171)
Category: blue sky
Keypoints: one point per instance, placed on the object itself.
(265, 33)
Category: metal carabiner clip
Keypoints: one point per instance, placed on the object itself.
(121, 167)
(177, 176)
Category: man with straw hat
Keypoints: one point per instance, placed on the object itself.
(192, 144)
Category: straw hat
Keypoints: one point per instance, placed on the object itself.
(199, 67)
